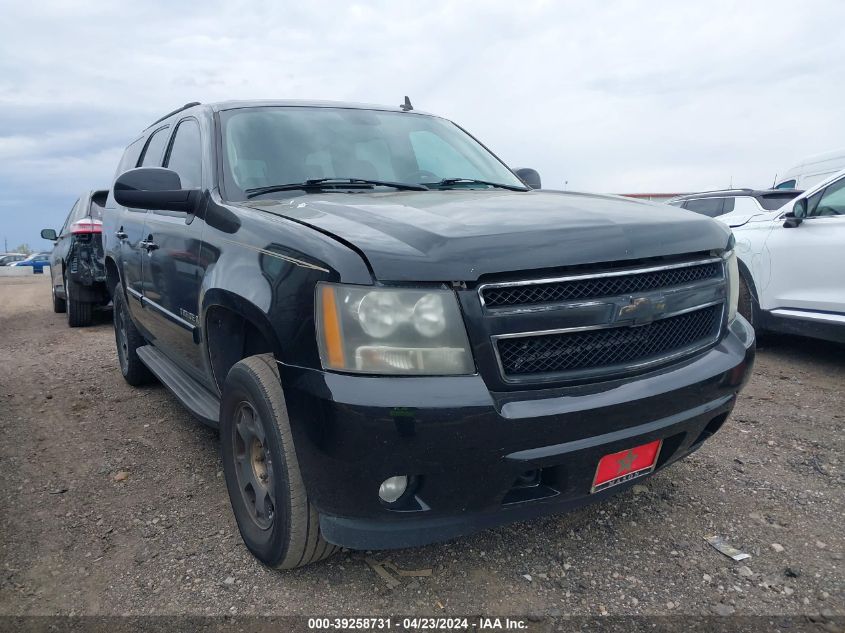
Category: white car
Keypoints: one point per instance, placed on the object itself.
(792, 263)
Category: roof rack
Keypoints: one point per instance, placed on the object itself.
(177, 110)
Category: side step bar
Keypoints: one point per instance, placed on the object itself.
(203, 405)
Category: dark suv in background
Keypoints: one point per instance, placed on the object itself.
(76, 263)
(399, 340)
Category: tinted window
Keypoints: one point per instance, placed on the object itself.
(128, 161)
(786, 184)
(155, 149)
(98, 201)
(706, 206)
(728, 205)
(832, 201)
(812, 201)
(130, 157)
(186, 154)
(774, 201)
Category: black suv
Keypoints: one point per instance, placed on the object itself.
(399, 340)
(77, 270)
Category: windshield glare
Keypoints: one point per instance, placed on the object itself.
(280, 145)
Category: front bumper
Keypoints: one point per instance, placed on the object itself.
(468, 450)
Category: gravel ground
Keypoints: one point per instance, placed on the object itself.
(113, 502)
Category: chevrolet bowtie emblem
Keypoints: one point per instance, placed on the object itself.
(642, 310)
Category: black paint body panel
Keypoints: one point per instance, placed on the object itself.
(463, 439)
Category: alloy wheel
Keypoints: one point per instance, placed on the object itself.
(253, 466)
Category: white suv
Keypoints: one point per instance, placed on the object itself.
(792, 263)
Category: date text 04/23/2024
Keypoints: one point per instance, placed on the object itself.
(416, 624)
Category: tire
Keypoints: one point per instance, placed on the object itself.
(745, 305)
(128, 340)
(79, 313)
(59, 304)
(260, 466)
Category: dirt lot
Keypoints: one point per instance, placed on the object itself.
(74, 540)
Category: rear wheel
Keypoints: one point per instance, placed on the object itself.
(59, 304)
(277, 522)
(128, 341)
(79, 313)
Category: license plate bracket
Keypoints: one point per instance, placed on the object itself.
(631, 463)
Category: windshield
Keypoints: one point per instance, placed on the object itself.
(269, 146)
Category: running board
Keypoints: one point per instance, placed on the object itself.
(203, 405)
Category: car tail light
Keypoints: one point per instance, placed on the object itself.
(86, 226)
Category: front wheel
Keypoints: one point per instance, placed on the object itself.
(277, 522)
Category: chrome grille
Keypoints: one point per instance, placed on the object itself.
(595, 286)
(606, 348)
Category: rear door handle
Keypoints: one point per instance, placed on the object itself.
(148, 243)
(120, 234)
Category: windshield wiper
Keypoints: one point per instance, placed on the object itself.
(456, 181)
(321, 183)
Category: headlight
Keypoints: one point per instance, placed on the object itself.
(733, 282)
(391, 331)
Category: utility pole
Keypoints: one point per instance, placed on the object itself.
(5, 244)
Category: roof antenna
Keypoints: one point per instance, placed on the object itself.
(407, 105)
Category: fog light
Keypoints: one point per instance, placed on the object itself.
(392, 488)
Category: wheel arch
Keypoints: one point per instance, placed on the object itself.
(112, 275)
(234, 328)
(746, 275)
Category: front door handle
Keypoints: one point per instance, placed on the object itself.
(148, 243)
(121, 234)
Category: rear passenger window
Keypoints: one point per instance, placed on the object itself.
(155, 149)
(186, 154)
(706, 206)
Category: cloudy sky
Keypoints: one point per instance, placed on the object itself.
(609, 96)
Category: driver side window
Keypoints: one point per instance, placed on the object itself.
(831, 201)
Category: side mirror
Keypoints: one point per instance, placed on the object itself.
(794, 218)
(154, 188)
(530, 177)
(49, 234)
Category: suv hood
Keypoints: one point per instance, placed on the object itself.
(460, 235)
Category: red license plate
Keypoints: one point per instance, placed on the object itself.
(626, 465)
